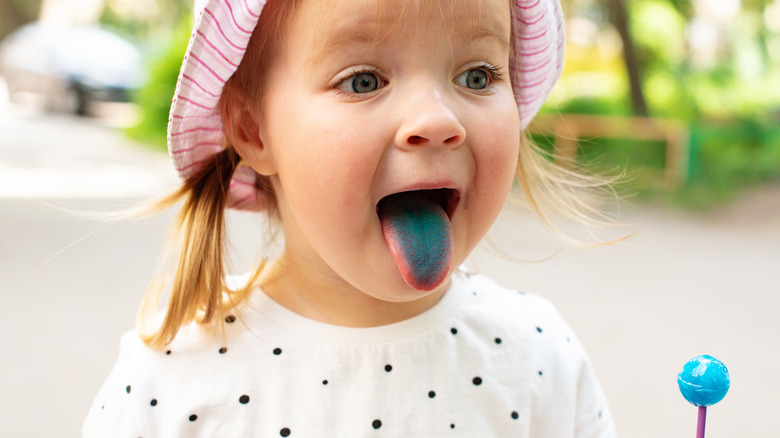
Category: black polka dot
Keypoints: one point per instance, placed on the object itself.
(498, 340)
(388, 368)
(539, 329)
(153, 402)
(168, 352)
(377, 424)
(452, 425)
(284, 432)
(477, 381)
(540, 372)
(324, 382)
(193, 417)
(128, 389)
(431, 394)
(244, 399)
(223, 350)
(454, 331)
(277, 351)
(230, 319)
(515, 415)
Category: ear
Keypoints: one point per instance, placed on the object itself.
(243, 132)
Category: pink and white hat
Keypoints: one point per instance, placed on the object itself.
(219, 40)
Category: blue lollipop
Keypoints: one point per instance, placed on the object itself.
(703, 381)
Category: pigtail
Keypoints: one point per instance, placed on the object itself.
(198, 281)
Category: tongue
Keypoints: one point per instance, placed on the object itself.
(417, 231)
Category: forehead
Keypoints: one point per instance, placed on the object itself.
(331, 24)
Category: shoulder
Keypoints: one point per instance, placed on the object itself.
(528, 329)
(115, 410)
(524, 324)
(531, 344)
(153, 389)
(495, 305)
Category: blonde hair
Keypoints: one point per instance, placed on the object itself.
(198, 289)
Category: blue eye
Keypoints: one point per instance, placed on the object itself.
(474, 79)
(364, 83)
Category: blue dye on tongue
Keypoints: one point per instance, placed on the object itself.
(419, 234)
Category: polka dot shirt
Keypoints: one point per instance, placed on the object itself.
(483, 362)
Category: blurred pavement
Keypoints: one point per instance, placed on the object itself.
(688, 284)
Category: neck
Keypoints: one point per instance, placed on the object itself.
(334, 301)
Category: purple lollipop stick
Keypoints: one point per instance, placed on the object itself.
(702, 421)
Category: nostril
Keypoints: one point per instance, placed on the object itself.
(415, 139)
(452, 140)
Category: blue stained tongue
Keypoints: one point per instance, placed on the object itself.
(419, 234)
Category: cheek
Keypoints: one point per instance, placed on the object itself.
(496, 155)
(327, 175)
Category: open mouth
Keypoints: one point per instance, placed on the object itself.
(447, 199)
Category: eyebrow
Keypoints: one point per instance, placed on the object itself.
(492, 31)
(350, 38)
(369, 35)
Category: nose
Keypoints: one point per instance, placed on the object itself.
(429, 120)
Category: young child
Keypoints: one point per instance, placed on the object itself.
(383, 136)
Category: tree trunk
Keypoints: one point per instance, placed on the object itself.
(619, 18)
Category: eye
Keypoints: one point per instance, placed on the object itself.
(476, 79)
(360, 82)
(480, 77)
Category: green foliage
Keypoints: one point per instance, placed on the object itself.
(729, 99)
(155, 97)
(664, 43)
(131, 29)
(743, 150)
(724, 159)
(600, 105)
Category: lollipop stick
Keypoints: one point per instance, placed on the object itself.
(702, 421)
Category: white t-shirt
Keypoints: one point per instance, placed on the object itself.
(483, 362)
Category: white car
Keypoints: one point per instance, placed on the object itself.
(70, 66)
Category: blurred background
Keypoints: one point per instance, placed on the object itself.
(683, 94)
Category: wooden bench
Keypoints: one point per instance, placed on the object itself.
(567, 129)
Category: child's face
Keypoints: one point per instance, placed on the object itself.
(368, 99)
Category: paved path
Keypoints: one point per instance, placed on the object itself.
(686, 285)
(65, 157)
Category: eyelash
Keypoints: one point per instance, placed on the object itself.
(495, 74)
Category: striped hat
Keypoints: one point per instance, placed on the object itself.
(219, 40)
